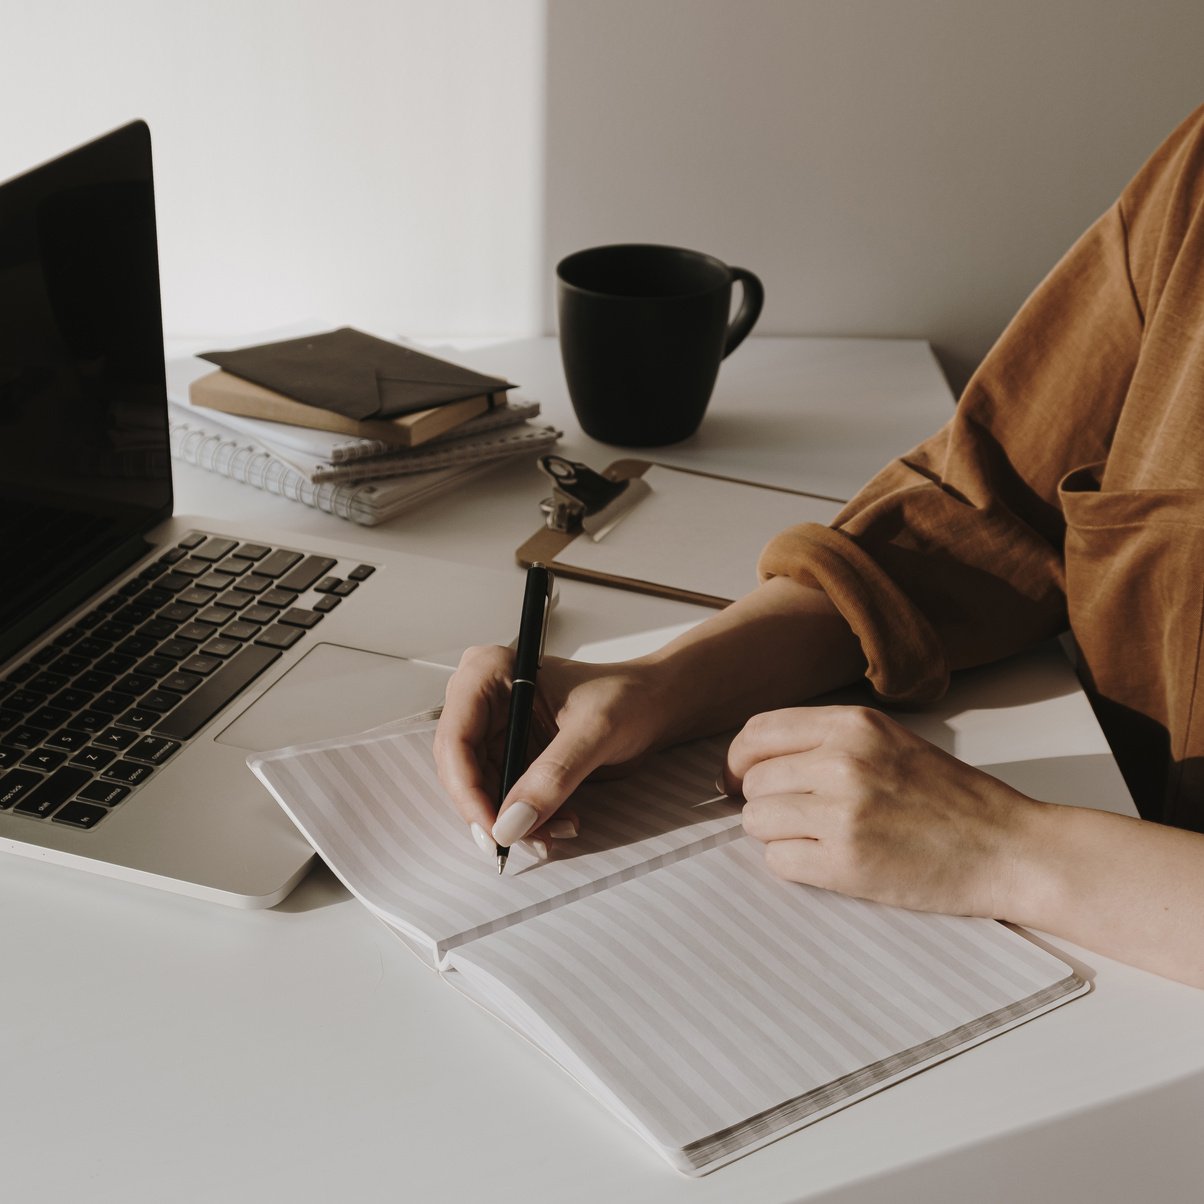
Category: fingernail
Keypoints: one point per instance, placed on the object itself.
(538, 847)
(515, 823)
(483, 842)
(719, 786)
(562, 829)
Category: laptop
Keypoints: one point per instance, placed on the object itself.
(143, 655)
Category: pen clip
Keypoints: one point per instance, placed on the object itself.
(547, 611)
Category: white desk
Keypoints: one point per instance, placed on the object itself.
(162, 1049)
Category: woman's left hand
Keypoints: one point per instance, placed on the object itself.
(847, 799)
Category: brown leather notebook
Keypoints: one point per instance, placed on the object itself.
(356, 375)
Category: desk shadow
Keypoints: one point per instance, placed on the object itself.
(319, 888)
(1086, 780)
(1140, 1146)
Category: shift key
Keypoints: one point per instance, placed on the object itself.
(53, 792)
(306, 573)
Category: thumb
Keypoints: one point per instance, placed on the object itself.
(548, 781)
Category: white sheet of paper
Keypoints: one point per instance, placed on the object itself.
(696, 533)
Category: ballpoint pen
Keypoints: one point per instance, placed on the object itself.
(532, 631)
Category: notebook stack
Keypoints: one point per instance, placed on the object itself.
(354, 425)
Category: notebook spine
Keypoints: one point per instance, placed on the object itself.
(241, 460)
(530, 438)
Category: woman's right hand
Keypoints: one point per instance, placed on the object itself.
(587, 718)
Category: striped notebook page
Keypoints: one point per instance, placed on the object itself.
(715, 1008)
(373, 808)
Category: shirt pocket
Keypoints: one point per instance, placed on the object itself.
(1135, 600)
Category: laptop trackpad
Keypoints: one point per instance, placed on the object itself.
(336, 691)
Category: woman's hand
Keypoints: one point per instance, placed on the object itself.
(587, 718)
(847, 799)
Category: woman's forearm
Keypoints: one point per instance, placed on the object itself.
(777, 646)
(1127, 888)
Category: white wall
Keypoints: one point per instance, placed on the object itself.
(898, 167)
(370, 161)
(894, 167)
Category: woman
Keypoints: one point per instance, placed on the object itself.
(1067, 491)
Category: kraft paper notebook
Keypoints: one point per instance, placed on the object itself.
(692, 536)
(708, 1005)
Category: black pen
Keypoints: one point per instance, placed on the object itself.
(532, 631)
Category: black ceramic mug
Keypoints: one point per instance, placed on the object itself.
(643, 330)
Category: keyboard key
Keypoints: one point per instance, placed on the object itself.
(306, 573)
(238, 630)
(135, 645)
(204, 665)
(80, 815)
(198, 633)
(47, 682)
(326, 584)
(94, 681)
(191, 567)
(171, 556)
(24, 701)
(43, 656)
(44, 759)
(26, 737)
(180, 683)
(253, 583)
(107, 794)
(233, 564)
(196, 596)
(92, 721)
(93, 758)
(139, 717)
(155, 749)
(193, 539)
(134, 613)
(114, 630)
(175, 649)
(159, 700)
(71, 699)
(116, 738)
(298, 617)
(24, 672)
(16, 784)
(113, 702)
(262, 614)
(218, 689)
(92, 647)
(157, 629)
(172, 582)
(214, 548)
(277, 562)
(236, 599)
(46, 798)
(69, 739)
(278, 636)
(177, 612)
(252, 551)
(344, 588)
(221, 647)
(216, 615)
(276, 597)
(132, 683)
(215, 580)
(9, 719)
(49, 717)
(155, 666)
(129, 772)
(9, 756)
(362, 572)
(327, 604)
(157, 595)
(70, 663)
(115, 662)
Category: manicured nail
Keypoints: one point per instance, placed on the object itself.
(483, 841)
(719, 786)
(514, 823)
(562, 829)
(538, 847)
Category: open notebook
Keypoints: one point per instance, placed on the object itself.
(710, 1006)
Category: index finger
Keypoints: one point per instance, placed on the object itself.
(777, 734)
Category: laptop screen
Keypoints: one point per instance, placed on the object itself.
(84, 466)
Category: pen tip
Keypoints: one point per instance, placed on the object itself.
(501, 862)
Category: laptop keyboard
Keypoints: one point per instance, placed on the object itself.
(90, 716)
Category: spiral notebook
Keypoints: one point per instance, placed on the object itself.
(708, 1005)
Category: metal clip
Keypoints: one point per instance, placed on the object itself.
(585, 500)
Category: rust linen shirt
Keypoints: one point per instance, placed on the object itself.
(1067, 490)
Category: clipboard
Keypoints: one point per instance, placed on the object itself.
(660, 529)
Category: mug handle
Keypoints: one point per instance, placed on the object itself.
(749, 311)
